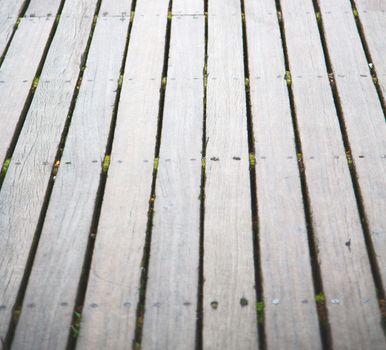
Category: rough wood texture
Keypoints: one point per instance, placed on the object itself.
(109, 313)
(188, 7)
(17, 74)
(347, 280)
(51, 292)
(23, 191)
(9, 13)
(372, 14)
(288, 290)
(171, 299)
(364, 118)
(229, 295)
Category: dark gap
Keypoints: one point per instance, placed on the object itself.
(21, 14)
(30, 96)
(19, 300)
(253, 184)
(370, 62)
(321, 308)
(146, 253)
(83, 282)
(354, 177)
(200, 292)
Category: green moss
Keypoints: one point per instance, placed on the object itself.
(5, 167)
(320, 298)
(106, 164)
(252, 160)
(288, 78)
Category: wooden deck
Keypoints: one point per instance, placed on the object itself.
(190, 174)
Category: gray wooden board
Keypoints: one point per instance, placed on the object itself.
(52, 287)
(347, 280)
(17, 74)
(372, 15)
(364, 118)
(109, 313)
(9, 13)
(42, 8)
(229, 280)
(188, 7)
(291, 320)
(115, 8)
(172, 287)
(24, 187)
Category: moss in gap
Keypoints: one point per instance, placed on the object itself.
(106, 163)
(288, 78)
(260, 311)
(320, 298)
(252, 160)
(5, 167)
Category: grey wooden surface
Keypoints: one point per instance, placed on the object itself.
(290, 308)
(24, 187)
(372, 15)
(53, 284)
(363, 115)
(169, 311)
(171, 298)
(9, 13)
(109, 314)
(229, 303)
(347, 280)
(17, 74)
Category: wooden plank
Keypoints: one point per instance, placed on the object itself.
(188, 7)
(229, 294)
(372, 15)
(345, 270)
(364, 118)
(24, 187)
(109, 313)
(172, 287)
(115, 8)
(9, 13)
(52, 287)
(291, 320)
(17, 74)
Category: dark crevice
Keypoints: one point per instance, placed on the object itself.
(353, 172)
(19, 300)
(200, 291)
(313, 248)
(253, 187)
(146, 253)
(369, 59)
(30, 96)
(21, 14)
(86, 267)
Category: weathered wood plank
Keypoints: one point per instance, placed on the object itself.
(9, 13)
(372, 15)
(347, 280)
(171, 295)
(188, 7)
(109, 313)
(24, 187)
(229, 295)
(53, 283)
(17, 74)
(364, 118)
(291, 321)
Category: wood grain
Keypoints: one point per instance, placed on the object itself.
(109, 314)
(9, 13)
(345, 270)
(23, 191)
(53, 283)
(17, 74)
(288, 290)
(229, 295)
(363, 115)
(171, 298)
